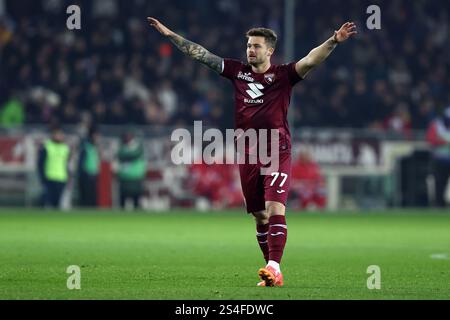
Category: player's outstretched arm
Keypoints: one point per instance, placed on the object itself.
(189, 48)
(320, 53)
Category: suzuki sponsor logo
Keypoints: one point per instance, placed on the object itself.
(254, 101)
(254, 92)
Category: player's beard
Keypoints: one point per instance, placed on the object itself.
(255, 61)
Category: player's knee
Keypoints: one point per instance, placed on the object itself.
(261, 217)
(274, 208)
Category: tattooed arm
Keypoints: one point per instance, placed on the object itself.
(319, 54)
(189, 48)
(197, 52)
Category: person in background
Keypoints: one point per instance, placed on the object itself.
(212, 181)
(12, 113)
(88, 169)
(438, 136)
(53, 161)
(308, 183)
(132, 169)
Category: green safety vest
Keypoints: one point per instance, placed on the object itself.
(133, 170)
(92, 162)
(55, 167)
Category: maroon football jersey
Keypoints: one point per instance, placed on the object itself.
(262, 99)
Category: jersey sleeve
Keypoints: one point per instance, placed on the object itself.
(292, 75)
(230, 68)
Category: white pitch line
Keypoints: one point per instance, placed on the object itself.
(439, 256)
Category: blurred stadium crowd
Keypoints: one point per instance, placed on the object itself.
(115, 70)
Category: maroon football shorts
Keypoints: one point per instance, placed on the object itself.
(258, 188)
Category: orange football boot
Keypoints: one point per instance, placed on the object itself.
(271, 277)
(261, 284)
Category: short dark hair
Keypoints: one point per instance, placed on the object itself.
(268, 34)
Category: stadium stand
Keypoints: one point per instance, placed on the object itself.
(116, 71)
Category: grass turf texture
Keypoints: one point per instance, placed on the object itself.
(187, 255)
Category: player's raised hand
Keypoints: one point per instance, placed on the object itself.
(347, 30)
(159, 26)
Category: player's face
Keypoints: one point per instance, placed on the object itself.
(257, 51)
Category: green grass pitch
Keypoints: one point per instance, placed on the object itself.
(189, 255)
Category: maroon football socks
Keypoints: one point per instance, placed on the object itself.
(261, 235)
(276, 237)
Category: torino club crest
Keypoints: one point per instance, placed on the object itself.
(269, 78)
